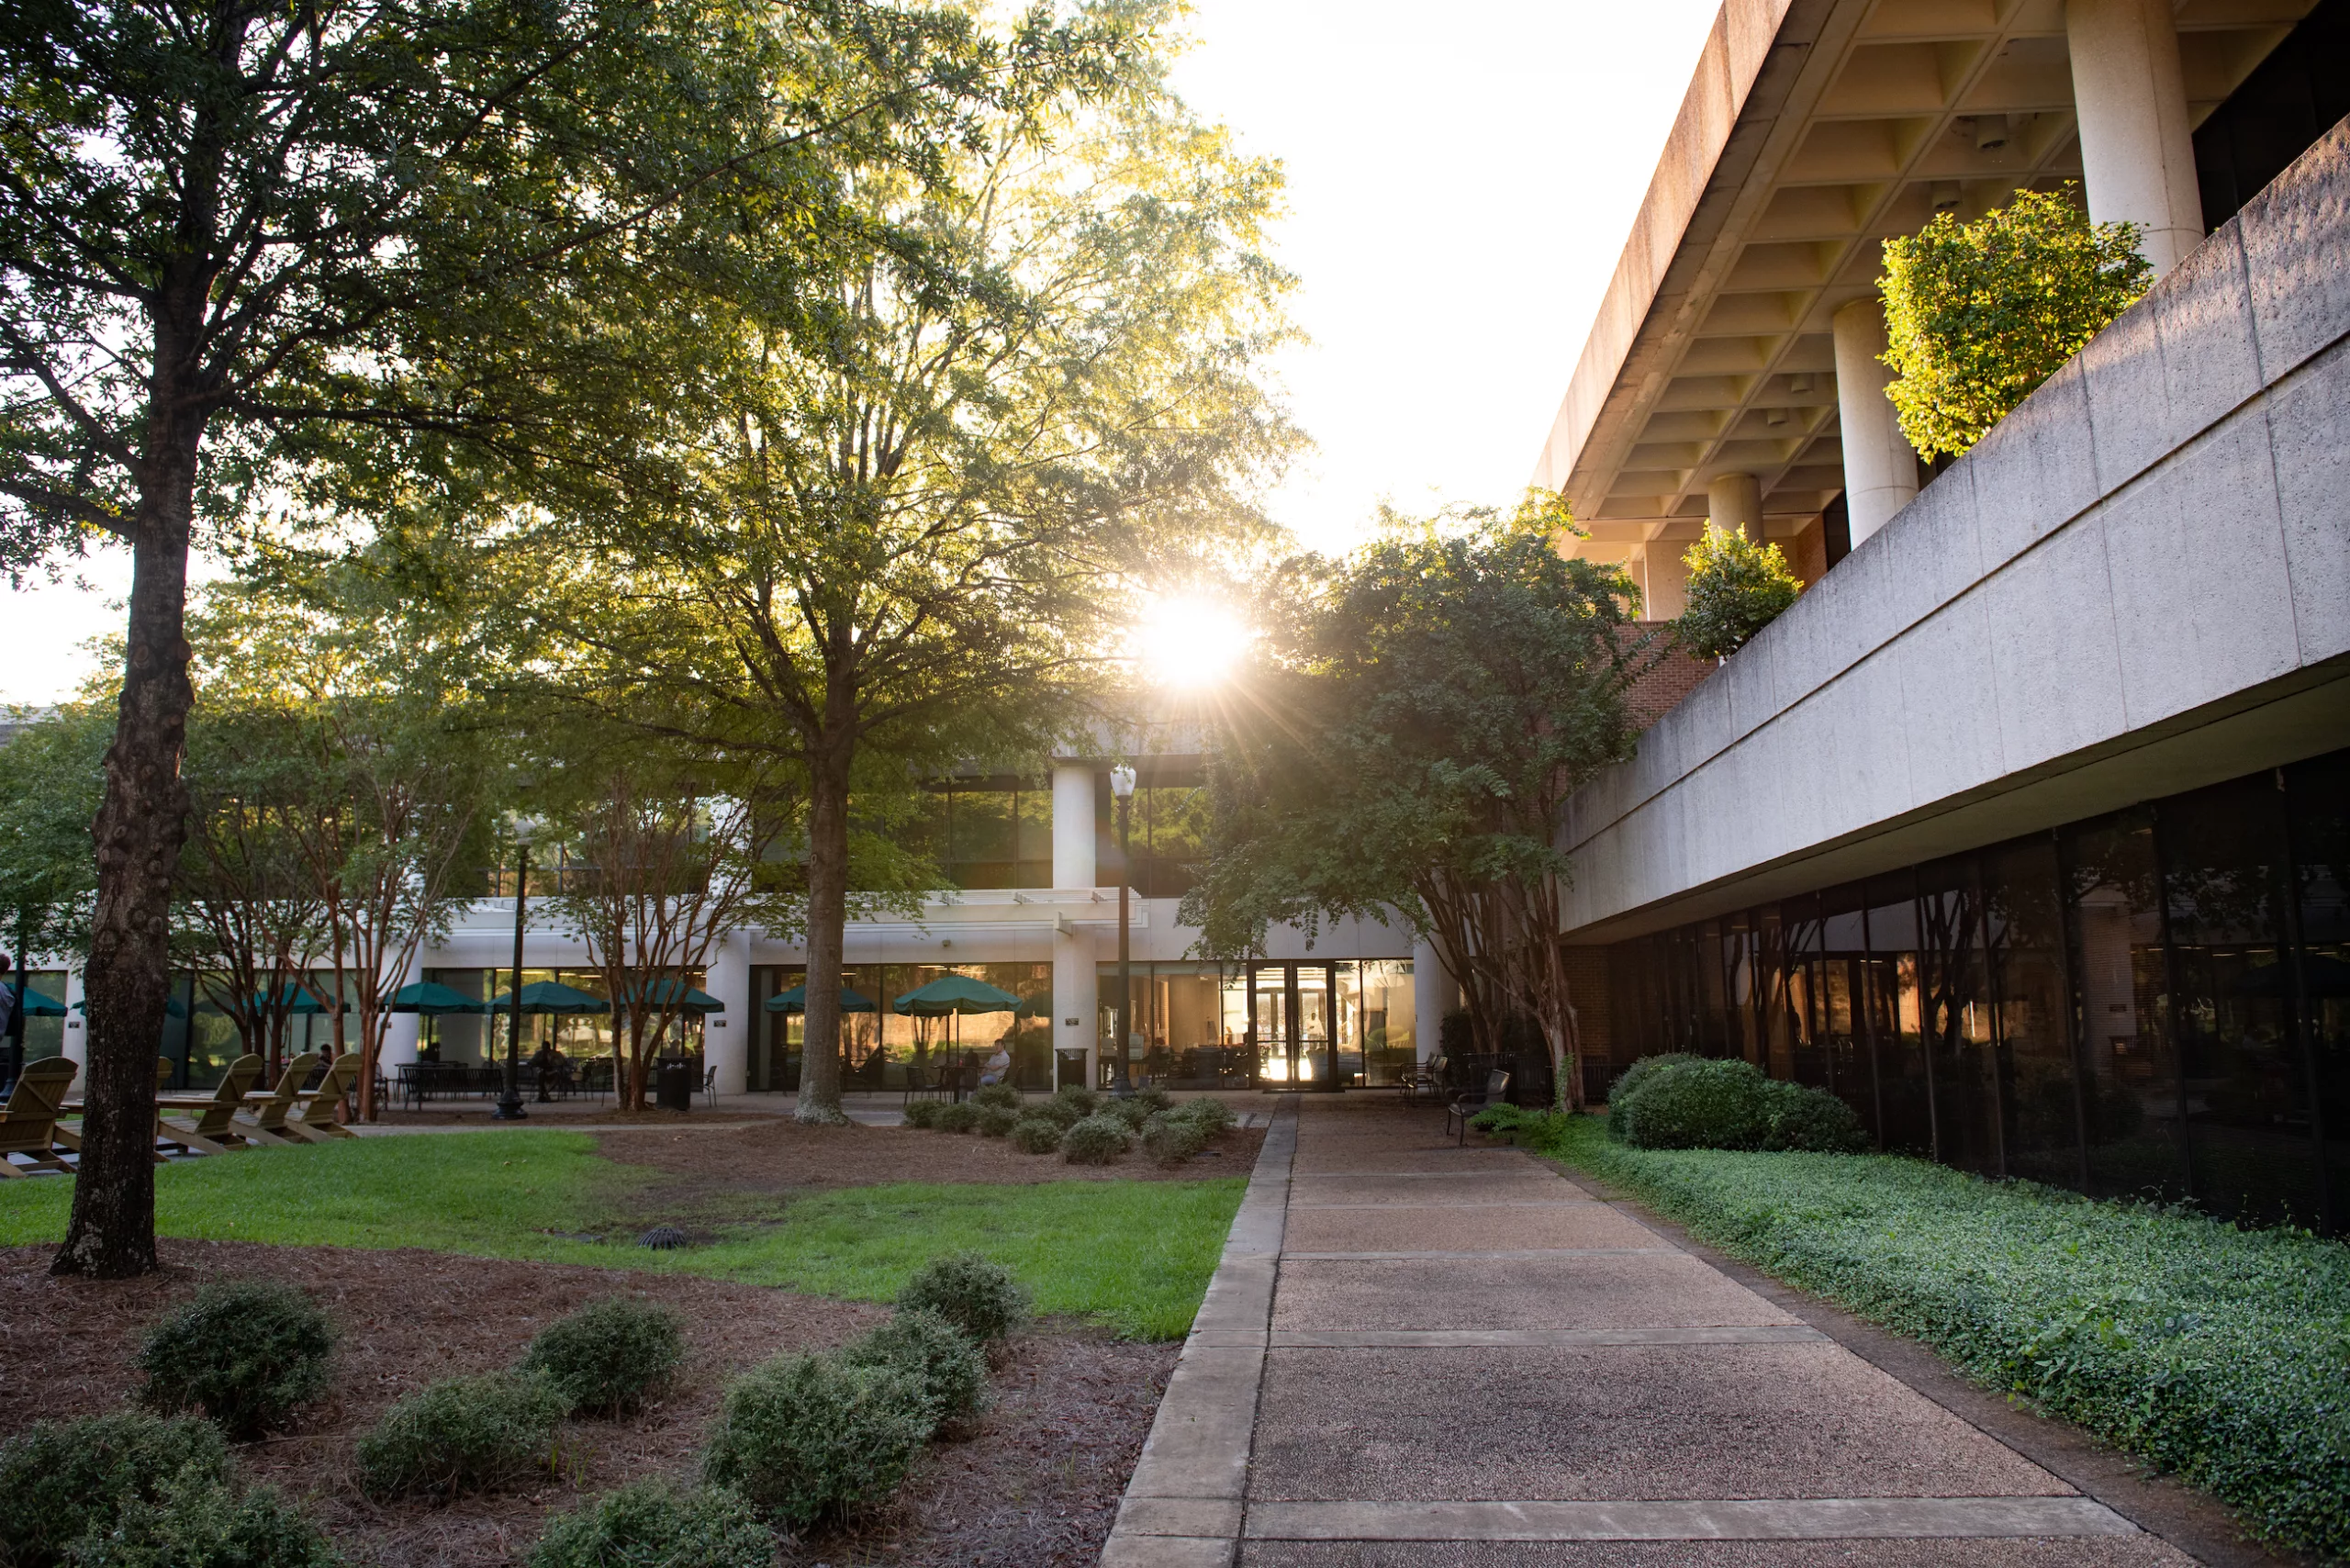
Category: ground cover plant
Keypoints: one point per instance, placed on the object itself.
(1134, 1256)
(246, 1354)
(2221, 1355)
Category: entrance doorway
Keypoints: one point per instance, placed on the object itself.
(1292, 1025)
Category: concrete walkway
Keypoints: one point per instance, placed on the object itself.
(1414, 1353)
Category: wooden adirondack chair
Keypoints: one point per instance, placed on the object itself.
(268, 1107)
(314, 1120)
(214, 1130)
(28, 1127)
(71, 1138)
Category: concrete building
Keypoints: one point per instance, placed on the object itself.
(2028, 827)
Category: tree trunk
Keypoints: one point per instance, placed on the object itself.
(141, 825)
(820, 1057)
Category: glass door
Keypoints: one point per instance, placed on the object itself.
(1314, 1051)
(1270, 1016)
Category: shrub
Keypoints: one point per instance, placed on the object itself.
(1811, 1120)
(1212, 1116)
(947, 1363)
(1132, 1113)
(1627, 1083)
(1705, 1103)
(1000, 1096)
(1455, 1034)
(1504, 1121)
(1736, 587)
(809, 1438)
(958, 1117)
(1036, 1134)
(203, 1524)
(1096, 1141)
(1170, 1140)
(995, 1121)
(1079, 1099)
(975, 1293)
(247, 1353)
(61, 1479)
(925, 1113)
(1153, 1099)
(654, 1524)
(461, 1435)
(610, 1356)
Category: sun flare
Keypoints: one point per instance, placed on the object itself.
(1188, 642)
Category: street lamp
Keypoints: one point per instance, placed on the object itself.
(1122, 785)
(521, 829)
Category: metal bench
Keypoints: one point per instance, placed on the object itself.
(1467, 1104)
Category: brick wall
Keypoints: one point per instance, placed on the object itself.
(1672, 674)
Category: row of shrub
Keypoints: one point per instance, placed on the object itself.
(1082, 1127)
(1687, 1102)
(798, 1440)
(2218, 1354)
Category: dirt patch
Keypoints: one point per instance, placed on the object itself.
(786, 1155)
(1035, 1483)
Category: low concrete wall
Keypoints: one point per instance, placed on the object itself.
(2139, 583)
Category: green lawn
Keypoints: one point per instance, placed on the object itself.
(2220, 1354)
(1134, 1255)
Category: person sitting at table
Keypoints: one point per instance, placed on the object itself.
(998, 1067)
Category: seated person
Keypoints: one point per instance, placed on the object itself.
(998, 1067)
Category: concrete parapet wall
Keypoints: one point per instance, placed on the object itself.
(2138, 583)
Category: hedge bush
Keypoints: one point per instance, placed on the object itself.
(610, 1356)
(2218, 1354)
(811, 1437)
(1808, 1119)
(1131, 1111)
(996, 1121)
(654, 1524)
(958, 1116)
(1096, 1141)
(947, 1363)
(204, 1524)
(61, 1479)
(1627, 1083)
(925, 1113)
(971, 1291)
(1036, 1134)
(1212, 1116)
(247, 1353)
(462, 1435)
(1706, 1103)
(1000, 1096)
(1079, 1099)
(1172, 1139)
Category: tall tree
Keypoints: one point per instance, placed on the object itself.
(1418, 717)
(222, 221)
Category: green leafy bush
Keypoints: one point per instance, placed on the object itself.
(1153, 1099)
(1132, 1111)
(2215, 1353)
(1172, 1139)
(997, 1096)
(1977, 315)
(1736, 588)
(461, 1435)
(247, 1353)
(1036, 1134)
(995, 1121)
(1801, 1117)
(1079, 1099)
(1704, 1104)
(1627, 1083)
(947, 1363)
(810, 1438)
(960, 1116)
(61, 1479)
(1212, 1116)
(654, 1524)
(925, 1113)
(204, 1524)
(1502, 1121)
(972, 1292)
(1097, 1140)
(610, 1356)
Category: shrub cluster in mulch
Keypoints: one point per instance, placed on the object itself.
(2221, 1355)
(1684, 1102)
(1080, 1125)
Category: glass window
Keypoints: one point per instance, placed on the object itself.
(1390, 1032)
(2032, 1018)
(1893, 1016)
(2130, 1085)
(1955, 1001)
(2318, 798)
(1843, 970)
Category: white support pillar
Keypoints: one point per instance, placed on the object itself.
(1734, 505)
(1880, 465)
(1434, 994)
(2137, 144)
(1073, 824)
(726, 1037)
(1076, 995)
(402, 1030)
(76, 1033)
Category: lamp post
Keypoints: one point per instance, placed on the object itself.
(1122, 785)
(509, 1104)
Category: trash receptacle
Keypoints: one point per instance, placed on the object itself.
(673, 1084)
(1070, 1068)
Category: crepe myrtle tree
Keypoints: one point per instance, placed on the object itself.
(223, 223)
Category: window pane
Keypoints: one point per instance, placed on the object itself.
(2318, 798)
(2129, 1076)
(2024, 931)
(1955, 997)
(1892, 1016)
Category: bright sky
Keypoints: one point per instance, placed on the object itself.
(1462, 179)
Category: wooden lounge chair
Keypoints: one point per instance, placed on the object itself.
(214, 1131)
(268, 1108)
(71, 1138)
(28, 1127)
(313, 1120)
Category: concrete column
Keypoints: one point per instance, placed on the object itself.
(726, 1037)
(76, 1033)
(402, 1030)
(1664, 580)
(1434, 994)
(1073, 824)
(1880, 465)
(1076, 995)
(2137, 145)
(1734, 505)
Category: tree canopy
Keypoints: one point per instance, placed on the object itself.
(1736, 588)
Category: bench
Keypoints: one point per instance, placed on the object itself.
(1467, 1104)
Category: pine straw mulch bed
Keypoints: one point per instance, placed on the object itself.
(1037, 1482)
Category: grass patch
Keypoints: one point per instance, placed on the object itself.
(2218, 1354)
(1136, 1256)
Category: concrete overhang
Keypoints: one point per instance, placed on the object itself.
(1812, 131)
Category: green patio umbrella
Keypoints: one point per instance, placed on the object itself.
(434, 999)
(173, 1006)
(1037, 1006)
(953, 996)
(40, 1005)
(297, 999)
(675, 993)
(795, 1001)
(550, 996)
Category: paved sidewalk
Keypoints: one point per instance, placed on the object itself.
(1414, 1353)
